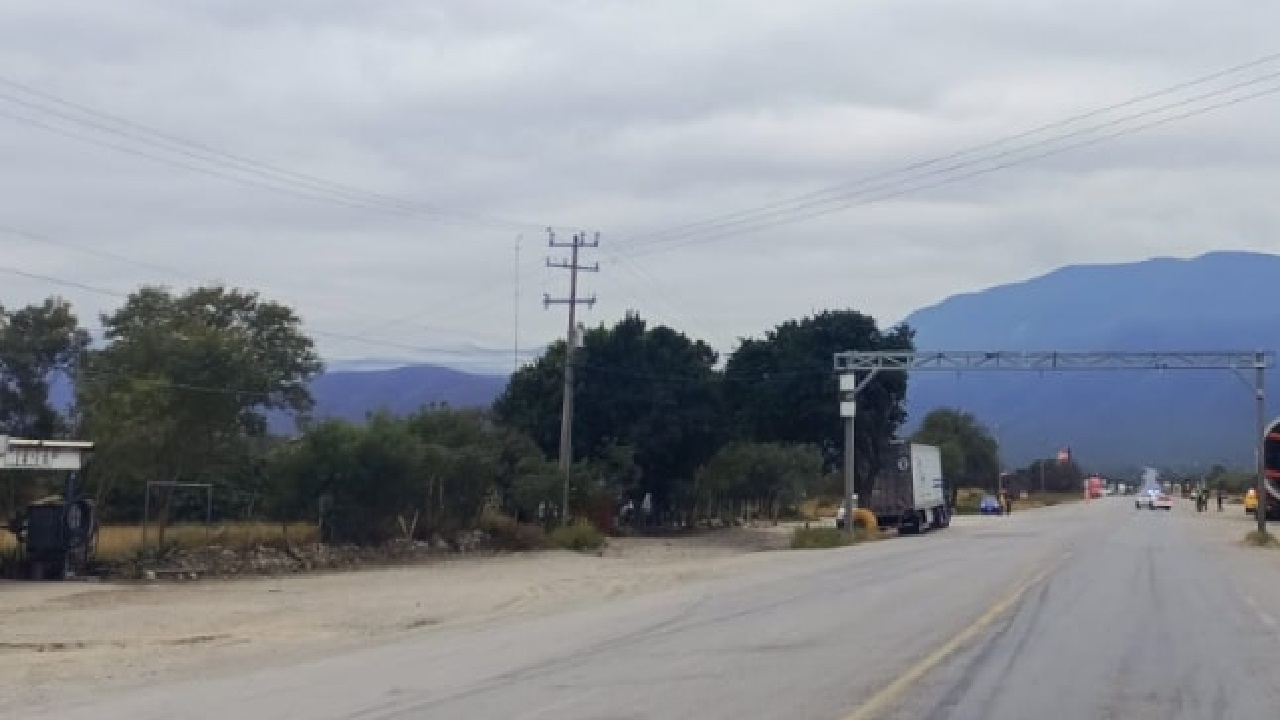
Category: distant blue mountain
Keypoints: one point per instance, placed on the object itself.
(1218, 301)
(352, 394)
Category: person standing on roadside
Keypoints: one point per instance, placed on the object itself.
(1221, 496)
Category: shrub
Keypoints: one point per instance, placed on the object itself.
(579, 536)
(508, 534)
(811, 538)
(1257, 539)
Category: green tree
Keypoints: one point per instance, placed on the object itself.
(1055, 476)
(653, 390)
(768, 476)
(970, 453)
(357, 479)
(435, 471)
(184, 384)
(782, 388)
(37, 342)
(469, 460)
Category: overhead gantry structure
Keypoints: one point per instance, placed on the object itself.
(858, 367)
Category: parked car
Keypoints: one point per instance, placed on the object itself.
(1161, 501)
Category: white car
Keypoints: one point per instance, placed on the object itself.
(1153, 500)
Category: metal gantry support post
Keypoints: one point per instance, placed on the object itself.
(1260, 393)
(850, 386)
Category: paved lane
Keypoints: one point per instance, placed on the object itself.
(1151, 624)
(822, 634)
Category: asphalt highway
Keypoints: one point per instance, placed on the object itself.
(1083, 611)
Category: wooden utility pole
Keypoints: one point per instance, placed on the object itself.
(578, 242)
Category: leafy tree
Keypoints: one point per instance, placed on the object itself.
(36, 342)
(184, 382)
(1056, 476)
(782, 389)
(433, 472)
(970, 454)
(653, 390)
(467, 459)
(357, 479)
(1232, 481)
(601, 485)
(768, 475)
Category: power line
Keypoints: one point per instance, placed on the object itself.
(723, 226)
(426, 350)
(911, 172)
(232, 167)
(664, 296)
(209, 171)
(227, 165)
(800, 213)
(466, 301)
(364, 337)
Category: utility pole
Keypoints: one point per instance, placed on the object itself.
(1260, 397)
(515, 329)
(578, 242)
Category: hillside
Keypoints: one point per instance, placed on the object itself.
(352, 394)
(1219, 301)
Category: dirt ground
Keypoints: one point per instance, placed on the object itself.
(81, 637)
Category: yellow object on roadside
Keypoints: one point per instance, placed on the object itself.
(865, 518)
(1251, 500)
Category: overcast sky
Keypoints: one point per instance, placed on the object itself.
(379, 159)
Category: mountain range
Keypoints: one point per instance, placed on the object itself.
(1218, 301)
(1123, 419)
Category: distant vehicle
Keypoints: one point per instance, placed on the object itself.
(1093, 487)
(909, 493)
(1151, 498)
(990, 505)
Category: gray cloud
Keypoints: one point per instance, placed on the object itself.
(619, 116)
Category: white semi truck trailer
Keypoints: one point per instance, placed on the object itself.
(909, 492)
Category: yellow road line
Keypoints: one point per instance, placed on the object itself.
(891, 692)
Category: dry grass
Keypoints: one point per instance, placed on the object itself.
(1037, 500)
(813, 538)
(120, 542)
(1257, 539)
(819, 508)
